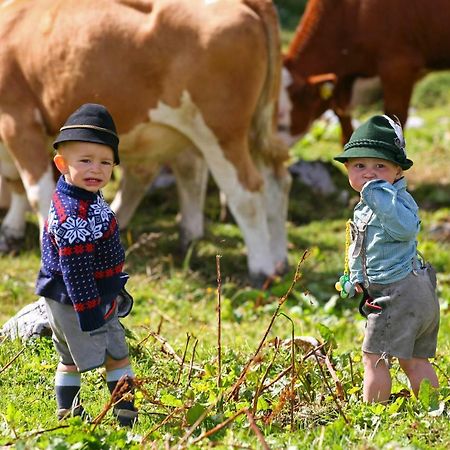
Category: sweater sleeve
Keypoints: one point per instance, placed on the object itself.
(76, 252)
(398, 217)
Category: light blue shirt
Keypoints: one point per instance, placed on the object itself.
(390, 246)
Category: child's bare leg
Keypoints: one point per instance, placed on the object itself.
(377, 379)
(112, 364)
(418, 369)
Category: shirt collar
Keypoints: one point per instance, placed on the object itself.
(74, 191)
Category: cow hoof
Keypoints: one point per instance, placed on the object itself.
(10, 245)
(282, 268)
(261, 280)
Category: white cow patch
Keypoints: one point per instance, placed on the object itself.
(284, 110)
(40, 194)
(6, 3)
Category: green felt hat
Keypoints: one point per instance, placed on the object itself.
(379, 137)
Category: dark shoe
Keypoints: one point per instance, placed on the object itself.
(73, 412)
(125, 417)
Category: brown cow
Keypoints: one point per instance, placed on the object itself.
(189, 82)
(338, 41)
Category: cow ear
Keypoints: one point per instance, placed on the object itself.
(325, 84)
(60, 163)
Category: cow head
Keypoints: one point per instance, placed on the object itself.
(302, 100)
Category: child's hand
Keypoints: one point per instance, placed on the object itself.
(358, 288)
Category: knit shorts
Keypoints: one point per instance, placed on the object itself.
(403, 321)
(84, 349)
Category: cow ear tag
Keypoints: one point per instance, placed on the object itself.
(326, 90)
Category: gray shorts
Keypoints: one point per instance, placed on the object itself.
(84, 349)
(404, 319)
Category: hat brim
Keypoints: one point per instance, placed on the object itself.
(88, 135)
(370, 152)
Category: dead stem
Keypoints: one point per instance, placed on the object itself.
(337, 382)
(281, 301)
(260, 387)
(219, 323)
(12, 360)
(331, 390)
(219, 426)
(161, 424)
(34, 434)
(293, 375)
(123, 387)
(168, 350)
(277, 378)
(193, 427)
(188, 338)
(256, 430)
(191, 364)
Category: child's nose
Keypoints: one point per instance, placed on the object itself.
(97, 167)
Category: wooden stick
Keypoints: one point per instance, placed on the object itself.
(219, 426)
(188, 338)
(256, 430)
(331, 390)
(12, 360)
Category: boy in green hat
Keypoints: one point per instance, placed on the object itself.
(399, 289)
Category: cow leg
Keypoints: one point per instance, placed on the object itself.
(5, 195)
(276, 190)
(398, 81)
(191, 173)
(24, 137)
(247, 203)
(341, 104)
(132, 189)
(12, 230)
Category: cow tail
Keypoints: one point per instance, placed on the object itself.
(264, 140)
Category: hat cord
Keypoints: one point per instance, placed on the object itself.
(93, 127)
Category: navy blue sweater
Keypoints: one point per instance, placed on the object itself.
(82, 256)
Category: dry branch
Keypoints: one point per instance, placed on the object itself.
(281, 302)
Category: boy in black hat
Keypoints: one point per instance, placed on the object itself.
(400, 300)
(81, 275)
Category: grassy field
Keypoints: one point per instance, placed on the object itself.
(293, 400)
(254, 388)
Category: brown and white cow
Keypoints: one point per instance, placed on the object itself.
(192, 83)
(339, 41)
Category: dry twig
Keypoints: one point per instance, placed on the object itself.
(219, 323)
(281, 301)
(12, 360)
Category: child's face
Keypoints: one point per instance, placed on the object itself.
(362, 170)
(85, 164)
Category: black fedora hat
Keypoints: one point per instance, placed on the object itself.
(91, 122)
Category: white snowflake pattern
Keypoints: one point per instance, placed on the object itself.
(75, 229)
(101, 208)
(52, 219)
(96, 228)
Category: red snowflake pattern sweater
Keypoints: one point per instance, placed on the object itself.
(82, 256)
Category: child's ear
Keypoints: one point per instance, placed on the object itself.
(60, 163)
